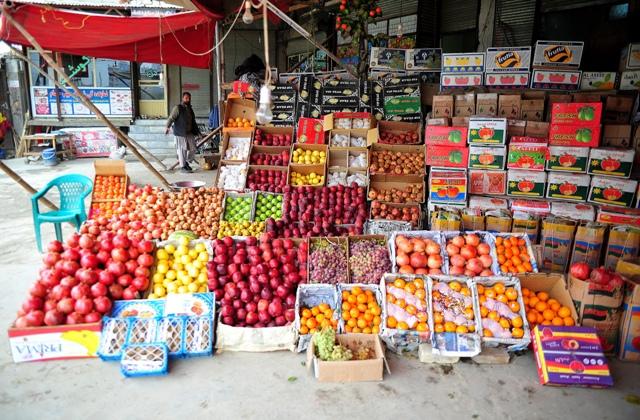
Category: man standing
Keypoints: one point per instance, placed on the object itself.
(185, 129)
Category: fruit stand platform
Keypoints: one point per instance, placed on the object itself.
(269, 385)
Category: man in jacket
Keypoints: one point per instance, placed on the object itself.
(185, 129)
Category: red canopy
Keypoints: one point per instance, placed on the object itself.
(183, 39)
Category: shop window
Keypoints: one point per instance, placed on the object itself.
(38, 79)
(80, 69)
(151, 81)
(113, 73)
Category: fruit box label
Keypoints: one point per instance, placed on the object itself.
(527, 156)
(558, 53)
(508, 59)
(569, 159)
(612, 162)
(555, 80)
(447, 157)
(483, 157)
(387, 58)
(506, 80)
(445, 136)
(463, 63)
(55, 343)
(568, 186)
(448, 186)
(402, 105)
(487, 130)
(526, 183)
(310, 130)
(424, 59)
(574, 135)
(630, 80)
(576, 113)
(598, 80)
(451, 80)
(608, 190)
(487, 182)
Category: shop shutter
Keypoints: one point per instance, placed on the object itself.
(458, 15)
(428, 24)
(198, 83)
(556, 5)
(394, 8)
(514, 21)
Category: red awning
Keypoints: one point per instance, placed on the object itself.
(182, 39)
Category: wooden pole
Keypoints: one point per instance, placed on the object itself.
(7, 170)
(82, 96)
(201, 142)
(59, 85)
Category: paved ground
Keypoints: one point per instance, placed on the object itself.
(274, 385)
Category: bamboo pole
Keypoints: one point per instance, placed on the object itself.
(59, 85)
(82, 96)
(7, 170)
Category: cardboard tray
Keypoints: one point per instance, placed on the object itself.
(109, 167)
(254, 168)
(485, 237)
(398, 149)
(357, 238)
(312, 147)
(387, 182)
(235, 132)
(269, 150)
(242, 108)
(310, 295)
(398, 127)
(319, 169)
(552, 283)
(234, 195)
(423, 234)
(340, 241)
(403, 205)
(527, 241)
(222, 164)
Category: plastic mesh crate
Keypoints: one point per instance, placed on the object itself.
(198, 336)
(113, 338)
(170, 332)
(144, 360)
(142, 330)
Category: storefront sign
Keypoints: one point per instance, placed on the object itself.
(558, 53)
(92, 141)
(111, 101)
(516, 59)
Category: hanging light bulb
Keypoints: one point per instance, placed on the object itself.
(400, 33)
(264, 114)
(247, 16)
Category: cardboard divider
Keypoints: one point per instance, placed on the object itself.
(235, 133)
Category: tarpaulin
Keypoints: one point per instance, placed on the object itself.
(182, 39)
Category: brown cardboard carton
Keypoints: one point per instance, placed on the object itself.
(618, 109)
(552, 283)
(587, 97)
(472, 219)
(460, 121)
(629, 347)
(352, 370)
(498, 221)
(588, 244)
(509, 106)
(465, 105)
(616, 136)
(487, 104)
(442, 106)
(557, 240)
(239, 108)
(438, 121)
(516, 128)
(624, 242)
(537, 129)
(555, 98)
(532, 109)
(526, 223)
(445, 219)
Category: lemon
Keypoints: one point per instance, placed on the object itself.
(171, 288)
(200, 247)
(193, 254)
(185, 259)
(176, 265)
(203, 289)
(182, 250)
(170, 249)
(182, 289)
(183, 240)
(197, 263)
(193, 287)
(202, 278)
(162, 267)
(171, 274)
(158, 277)
(193, 272)
(162, 254)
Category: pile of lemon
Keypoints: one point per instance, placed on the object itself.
(240, 229)
(180, 269)
(309, 157)
(312, 178)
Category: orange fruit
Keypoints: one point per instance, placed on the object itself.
(356, 330)
(504, 323)
(546, 322)
(494, 315)
(517, 322)
(439, 328)
(362, 323)
(568, 321)
(356, 290)
(306, 313)
(362, 298)
(345, 295)
(422, 327)
(517, 332)
(548, 314)
(499, 240)
(541, 306)
(399, 283)
(346, 306)
(411, 310)
(311, 323)
(533, 301)
(539, 318)
(564, 312)
(543, 296)
(438, 318)
(468, 313)
(465, 291)
(499, 288)
(511, 293)
(557, 321)
(490, 293)
(472, 328)
(368, 316)
(391, 322)
(401, 303)
(376, 310)
(484, 311)
(366, 330)
(487, 333)
(328, 313)
(375, 329)
(419, 283)
(402, 325)
(514, 306)
(531, 317)
(502, 298)
(455, 286)
(352, 299)
(304, 329)
(421, 294)
(362, 307)
(354, 313)
(320, 318)
(525, 291)
(480, 289)
(482, 299)
(346, 315)
(410, 288)
(376, 320)
(461, 329)
(450, 326)
(323, 307)
(325, 323)
(422, 317)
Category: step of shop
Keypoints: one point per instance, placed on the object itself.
(157, 129)
(151, 122)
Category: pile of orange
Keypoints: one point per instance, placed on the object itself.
(109, 187)
(240, 123)
(508, 296)
(317, 318)
(416, 288)
(360, 311)
(105, 208)
(454, 302)
(541, 309)
(513, 255)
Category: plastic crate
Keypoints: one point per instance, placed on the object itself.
(148, 359)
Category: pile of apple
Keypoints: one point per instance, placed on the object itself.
(255, 282)
(267, 180)
(82, 277)
(267, 139)
(418, 255)
(326, 206)
(469, 256)
(406, 137)
(280, 229)
(278, 159)
(387, 211)
(600, 275)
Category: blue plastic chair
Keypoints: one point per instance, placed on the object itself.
(73, 190)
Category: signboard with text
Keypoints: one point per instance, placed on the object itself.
(111, 101)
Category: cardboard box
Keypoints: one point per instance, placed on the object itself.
(516, 128)
(320, 170)
(570, 356)
(455, 136)
(576, 135)
(509, 106)
(624, 242)
(553, 98)
(110, 167)
(589, 244)
(611, 162)
(576, 113)
(557, 243)
(498, 80)
(618, 109)
(351, 370)
(508, 59)
(60, 342)
(568, 159)
(424, 59)
(239, 108)
(498, 221)
(486, 157)
(403, 149)
(487, 131)
(598, 80)
(577, 211)
(555, 79)
(442, 106)
(532, 109)
(537, 129)
(487, 203)
(395, 127)
(443, 122)
(616, 136)
(526, 183)
(567, 186)
(443, 217)
(612, 191)
(618, 216)
(487, 104)
(463, 63)
(524, 155)
(460, 122)
(528, 223)
(310, 130)
(383, 183)
(539, 207)
(629, 345)
(487, 182)
(447, 186)
(453, 80)
(631, 56)
(630, 80)
(560, 54)
(447, 157)
(554, 284)
(464, 105)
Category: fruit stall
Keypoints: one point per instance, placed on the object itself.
(362, 230)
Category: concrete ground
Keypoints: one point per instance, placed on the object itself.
(272, 385)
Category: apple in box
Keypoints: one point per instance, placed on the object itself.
(576, 113)
(568, 186)
(613, 191)
(569, 159)
(447, 157)
(487, 182)
(445, 136)
(576, 135)
(487, 157)
(447, 186)
(612, 162)
(267, 139)
(526, 183)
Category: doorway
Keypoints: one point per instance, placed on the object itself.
(153, 90)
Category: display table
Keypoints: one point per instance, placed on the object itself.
(35, 143)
